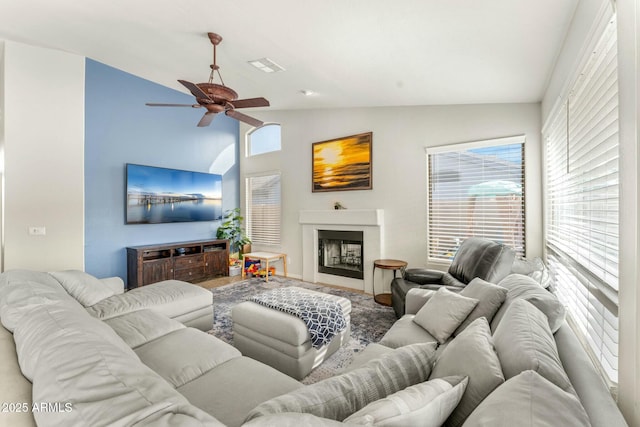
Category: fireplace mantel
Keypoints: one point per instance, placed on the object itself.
(371, 217)
(369, 221)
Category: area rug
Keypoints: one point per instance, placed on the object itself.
(369, 320)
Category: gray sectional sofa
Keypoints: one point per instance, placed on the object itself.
(508, 346)
(502, 356)
(77, 351)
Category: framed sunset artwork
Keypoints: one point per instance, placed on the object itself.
(342, 164)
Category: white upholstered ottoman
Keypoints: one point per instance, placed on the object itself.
(283, 340)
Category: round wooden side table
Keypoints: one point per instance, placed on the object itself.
(386, 264)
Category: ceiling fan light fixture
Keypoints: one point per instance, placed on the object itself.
(266, 65)
(218, 98)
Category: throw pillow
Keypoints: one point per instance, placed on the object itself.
(426, 404)
(291, 419)
(444, 312)
(490, 297)
(524, 287)
(470, 354)
(338, 397)
(524, 341)
(529, 400)
(84, 287)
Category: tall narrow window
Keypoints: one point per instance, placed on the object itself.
(263, 209)
(581, 239)
(476, 189)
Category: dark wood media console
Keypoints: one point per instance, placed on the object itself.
(191, 261)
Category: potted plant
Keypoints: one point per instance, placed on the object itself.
(231, 229)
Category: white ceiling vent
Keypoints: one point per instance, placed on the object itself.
(266, 65)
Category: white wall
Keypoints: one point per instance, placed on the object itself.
(629, 113)
(1, 152)
(400, 135)
(43, 118)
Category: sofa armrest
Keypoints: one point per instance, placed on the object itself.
(423, 276)
(586, 380)
(416, 298)
(116, 284)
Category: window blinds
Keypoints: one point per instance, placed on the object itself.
(582, 200)
(263, 209)
(476, 189)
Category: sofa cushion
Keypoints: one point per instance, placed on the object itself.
(98, 382)
(84, 287)
(427, 404)
(404, 332)
(372, 351)
(529, 400)
(234, 388)
(524, 287)
(338, 397)
(15, 387)
(290, 419)
(416, 298)
(443, 313)
(19, 298)
(170, 298)
(524, 341)
(64, 322)
(185, 354)
(470, 354)
(490, 297)
(142, 326)
(534, 268)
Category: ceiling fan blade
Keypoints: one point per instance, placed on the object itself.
(153, 104)
(206, 119)
(244, 118)
(194, 89)
(250, 102)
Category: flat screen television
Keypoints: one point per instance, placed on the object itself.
(160, 195)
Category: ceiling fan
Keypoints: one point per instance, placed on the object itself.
(217, 98)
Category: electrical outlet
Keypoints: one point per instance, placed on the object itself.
(37, 231)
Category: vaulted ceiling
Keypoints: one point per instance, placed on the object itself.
(350, 53)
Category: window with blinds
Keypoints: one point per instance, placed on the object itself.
(263, 209)
(581, 150)
(476, 189)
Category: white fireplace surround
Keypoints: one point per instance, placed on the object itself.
(369, 221)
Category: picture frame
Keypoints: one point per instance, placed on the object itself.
(342, 164)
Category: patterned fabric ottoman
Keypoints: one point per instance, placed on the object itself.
(280, 337)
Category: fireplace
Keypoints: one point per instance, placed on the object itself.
(368, 221)
(340, 253)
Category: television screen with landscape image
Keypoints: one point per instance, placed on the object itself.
(160, 195)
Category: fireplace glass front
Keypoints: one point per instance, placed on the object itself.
(340, 253)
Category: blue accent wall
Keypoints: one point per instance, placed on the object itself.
(120, 129)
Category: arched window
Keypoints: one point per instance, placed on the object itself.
(264, 139)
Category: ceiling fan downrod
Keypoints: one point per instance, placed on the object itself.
(215, 41)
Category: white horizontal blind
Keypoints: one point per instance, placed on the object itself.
(264, 209)
(476, 189)
(582, 201)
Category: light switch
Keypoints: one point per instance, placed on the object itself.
(37, 231)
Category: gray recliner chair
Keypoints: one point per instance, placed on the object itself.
(476, 257)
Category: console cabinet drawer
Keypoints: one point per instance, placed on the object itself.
(189, 261)
(190, 274)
